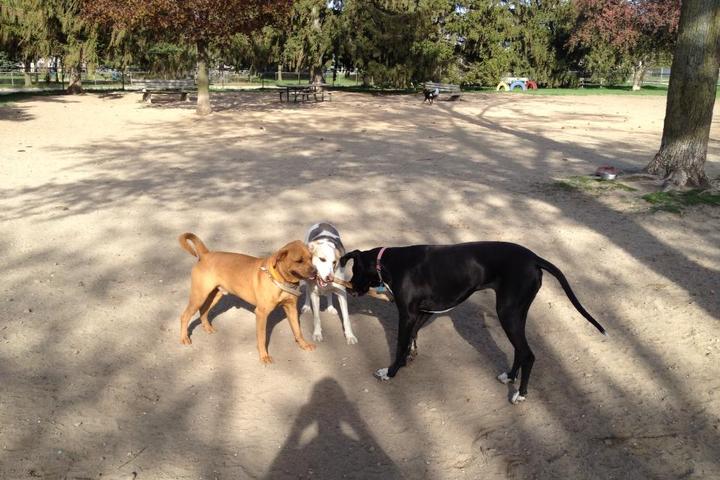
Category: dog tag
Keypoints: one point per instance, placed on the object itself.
(380, 289)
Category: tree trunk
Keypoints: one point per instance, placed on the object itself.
(316, 75)
(203, 82)
(26, 73)
(279, 74)
(75, 83)
(639, 70)
(366, 81)
(691, 96)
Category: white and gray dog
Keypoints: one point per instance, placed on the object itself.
(323, 241)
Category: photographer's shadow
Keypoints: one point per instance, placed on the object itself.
(329, 440)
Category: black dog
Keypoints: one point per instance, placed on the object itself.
(428, 279)
(431, 95)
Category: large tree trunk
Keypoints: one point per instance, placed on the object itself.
(691, 96)
(279, 74)
(203, 82)
(75, 83)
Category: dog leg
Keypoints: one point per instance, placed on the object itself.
(413, 351)
(512, 311)
(210, 302)
(197, 298)
(350, 337)
(317, 327)
(421, 321)
(261, 333)
(291, 312)
(330, 308)
(405, 327)
(308, 288)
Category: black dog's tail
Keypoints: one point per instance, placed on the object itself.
(555, 271)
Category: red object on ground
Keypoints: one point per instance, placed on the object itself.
(607, 169)
(531, 84)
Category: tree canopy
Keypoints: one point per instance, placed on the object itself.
(396, 43)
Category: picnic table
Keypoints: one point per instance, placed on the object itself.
(150, 87)
(304, 91)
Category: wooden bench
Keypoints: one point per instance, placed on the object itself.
(453, 90)
(164, 87)
(587, 82)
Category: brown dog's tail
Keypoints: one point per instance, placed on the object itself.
(198, 248)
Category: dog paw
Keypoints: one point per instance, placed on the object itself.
(305, 309)
(307, 346)
(266, 359)
(209, 328)
(412, 356)
(351, 339)
(382, 374)
(504, 379)
(517, 398)
(317, 336)
(186, 341)
(332, 310)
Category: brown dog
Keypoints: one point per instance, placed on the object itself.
(263, 282)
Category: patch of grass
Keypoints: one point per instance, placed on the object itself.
(376, 90)
(613, 90)
(590, 183)
(651, 90)
(676, 202)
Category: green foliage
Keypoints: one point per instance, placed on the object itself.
(392, 43)
(676, 202)
(606, 65)
(401, 43)
(486, 35)
(5, 62)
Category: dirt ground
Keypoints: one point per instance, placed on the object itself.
(95, 384)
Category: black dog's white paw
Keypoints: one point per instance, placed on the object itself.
(382, 374)
(504, 379)
(517, 398)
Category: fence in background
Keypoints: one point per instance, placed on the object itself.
(106, 78)
(49, 78)
(657, 76)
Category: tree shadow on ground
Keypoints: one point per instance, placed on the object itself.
(382, 201)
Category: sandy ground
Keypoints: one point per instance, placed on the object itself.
(95, 384)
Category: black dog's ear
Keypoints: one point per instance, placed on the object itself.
(354, 255)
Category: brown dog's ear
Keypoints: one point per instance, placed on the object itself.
(354, 255)
(280, 256)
